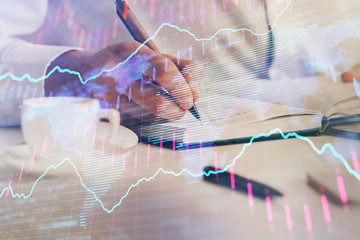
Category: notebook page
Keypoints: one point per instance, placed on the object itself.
(225, 117)
(348, 106)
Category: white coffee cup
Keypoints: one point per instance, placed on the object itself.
(57, 127)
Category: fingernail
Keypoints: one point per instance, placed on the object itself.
(189, 102)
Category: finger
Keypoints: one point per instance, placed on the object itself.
(350, 75)
(347, 77)
(193, 73)
(154, 101)
(127, 107)
(180, 63)
(169, 77)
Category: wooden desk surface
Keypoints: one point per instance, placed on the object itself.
(184, 205)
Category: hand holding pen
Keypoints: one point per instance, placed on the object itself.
(122, 87)
(139, 34)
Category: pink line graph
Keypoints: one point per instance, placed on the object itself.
(148, 153)
(213, 9)
(97, 38)
(75, 30)
(171, 14)
(124, 160)
(232, 178)
(136, 157)
(94, 137)
(113, 156)
(174, 139)
(39, 37)
(250, 194)
(191, 12)
(8, 190)
(268, 209)
(115, 27)
(152, 8)
(307, 218)
(21, 58)
(161, 145)
(21, 172)
(70, 19)
(66, 10)
(341, 187)
(48, 25)
(355, 162)
(33, 156)
(102, 149)
(81, 38)
(88, 41)
(45, 143)
(106, 36)
(58, 13)
(161, 15)
(216, 161)
(288, 218)
(325, 208)
(181, 11)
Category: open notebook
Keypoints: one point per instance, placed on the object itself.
(230, 120)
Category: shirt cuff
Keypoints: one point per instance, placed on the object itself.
(28, 64)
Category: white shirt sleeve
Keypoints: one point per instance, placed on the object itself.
(22, 64)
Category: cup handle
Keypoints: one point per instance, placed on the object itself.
(113, 116)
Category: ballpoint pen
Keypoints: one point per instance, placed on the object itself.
(240, 183)
(139, 34)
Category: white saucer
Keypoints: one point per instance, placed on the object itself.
(20, 156)
(124, 137)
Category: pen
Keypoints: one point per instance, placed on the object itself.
(139, 34)
(241, 184)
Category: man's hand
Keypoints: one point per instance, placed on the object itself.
(126, 85)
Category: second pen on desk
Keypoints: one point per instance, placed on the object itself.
(139, 34)
(236, 182)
